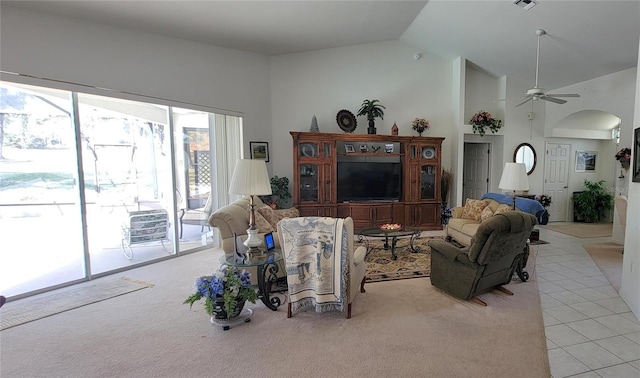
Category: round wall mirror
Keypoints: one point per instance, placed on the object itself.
(527, 155)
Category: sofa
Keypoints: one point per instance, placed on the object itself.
(466, 219)
(232, 222)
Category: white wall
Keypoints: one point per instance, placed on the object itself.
(324, 82)
(613, 93)
(146, 64)
(630, 290)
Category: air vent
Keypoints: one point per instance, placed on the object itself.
(526, 4)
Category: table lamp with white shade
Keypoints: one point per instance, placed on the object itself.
(514, 177)
(251, 178)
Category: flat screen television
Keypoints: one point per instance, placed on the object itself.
(369, 181)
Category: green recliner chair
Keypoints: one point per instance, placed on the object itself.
(495, 252)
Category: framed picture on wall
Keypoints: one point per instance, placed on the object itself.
(585, 161)
(259, 150)
(636, 155)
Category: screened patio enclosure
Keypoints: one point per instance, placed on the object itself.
(91, 185)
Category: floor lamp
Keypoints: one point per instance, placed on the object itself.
(250, 177)
(514, 177)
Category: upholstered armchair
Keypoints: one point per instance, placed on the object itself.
(495, 252)
(323, 269)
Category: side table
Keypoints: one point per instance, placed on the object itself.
(267, 269)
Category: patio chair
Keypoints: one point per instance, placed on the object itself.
(197, 217)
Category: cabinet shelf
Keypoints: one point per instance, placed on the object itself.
(419, 157)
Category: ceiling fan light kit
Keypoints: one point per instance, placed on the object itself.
(536, 93)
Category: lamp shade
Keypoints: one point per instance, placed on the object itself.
(514, 177)
(250, 177)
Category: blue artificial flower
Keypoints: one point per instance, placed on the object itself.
(203, 284)
(245, 277)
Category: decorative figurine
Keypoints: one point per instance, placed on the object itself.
(314, 125)
(394, 129)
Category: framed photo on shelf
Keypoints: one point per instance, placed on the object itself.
(259, 150)
(348, 148)
(585, 161)
(636, 155)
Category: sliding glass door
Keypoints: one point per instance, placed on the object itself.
(40, 224)
(91, 184)
(126, 161)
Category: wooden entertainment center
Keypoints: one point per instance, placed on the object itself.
(412, 165)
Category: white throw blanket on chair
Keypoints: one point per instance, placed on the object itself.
(314, 250)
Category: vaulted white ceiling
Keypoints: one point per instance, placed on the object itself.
(586, 39)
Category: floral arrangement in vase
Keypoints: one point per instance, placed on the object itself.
(223, 292)
(624, 157)
(420, 125)
(482, 120)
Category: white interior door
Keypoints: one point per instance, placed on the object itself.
(556, 180)
(476, 170)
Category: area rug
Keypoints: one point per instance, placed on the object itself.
(381, 267)
(581, 230)
(608, 257)
(41, 306)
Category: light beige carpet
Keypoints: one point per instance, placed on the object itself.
(48, 304)
(581, 230)
(401, 328)
(381, 266)
(608, 257)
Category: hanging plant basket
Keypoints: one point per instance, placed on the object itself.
(483, 120)
(625, 164)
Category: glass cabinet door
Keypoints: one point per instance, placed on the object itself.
(327, 150)
(309, 183)
(427, 182)
(309, 149)
(413, 152)
(428, 152)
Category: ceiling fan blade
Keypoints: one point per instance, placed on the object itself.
(523, 102)
(563, 95)
(553, 99)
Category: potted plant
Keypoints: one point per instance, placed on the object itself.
(545, 201)
(591, 203)
(279, 192)
(482, 120)
(224, 292)
(372, 109)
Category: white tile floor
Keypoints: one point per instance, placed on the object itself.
(590, 330)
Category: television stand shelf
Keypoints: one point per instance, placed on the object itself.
(373, 179)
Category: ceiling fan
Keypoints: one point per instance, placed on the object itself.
(536, 93)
